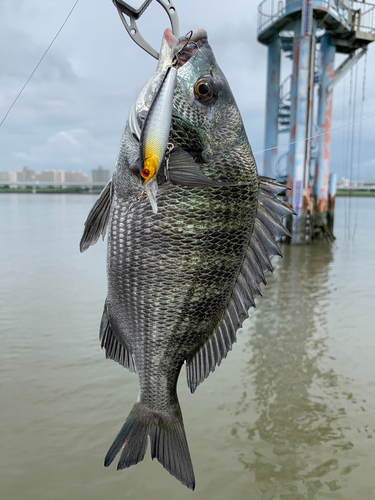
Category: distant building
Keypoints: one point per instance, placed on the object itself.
(60, 176)
(78, 177)
(12, 176)
(342, 183)
(362, 184)
(26, 175)
(101, 175)
(51, 177)
(366, 184)
(46, 176)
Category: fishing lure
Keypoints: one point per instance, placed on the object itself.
(155, 134)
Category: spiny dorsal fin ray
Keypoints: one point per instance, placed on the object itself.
(271, 222)
(261, 254)
(269, 185)
(266, 238)
(275, 206)
(263, 244)
(113, 349)
(97, 220)
(256, 266)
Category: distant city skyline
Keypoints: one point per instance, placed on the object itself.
(99, 175)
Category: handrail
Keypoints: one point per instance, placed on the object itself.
(270, 11)
(280, 174)
(362, 17)
(283, 96)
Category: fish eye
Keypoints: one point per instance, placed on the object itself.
(204, 89)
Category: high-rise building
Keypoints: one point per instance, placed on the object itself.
(46, 176)
(12, 176)
(60, 176)
(26, 175)
(101, 175)
(78, 177)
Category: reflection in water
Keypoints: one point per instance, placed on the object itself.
(299, 426)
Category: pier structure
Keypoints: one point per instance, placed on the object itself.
(310, 33)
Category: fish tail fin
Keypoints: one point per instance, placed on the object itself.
(132, 439)
(167, 437)
(170, 447)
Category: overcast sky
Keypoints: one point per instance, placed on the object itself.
(72, 113)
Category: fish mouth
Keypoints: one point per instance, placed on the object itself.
(186, 46)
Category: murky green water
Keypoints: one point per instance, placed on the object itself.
(289, 415)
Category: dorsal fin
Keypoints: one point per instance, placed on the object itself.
(97, 220)
(113, 349)
(263, 244)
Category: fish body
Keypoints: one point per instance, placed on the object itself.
(181, 281)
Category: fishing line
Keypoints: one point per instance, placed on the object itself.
(360, 140)
(343, 119)
(346, 164)
(348, 129)
(352, 149)
(313, 136)
(345, 137)
(37, 66)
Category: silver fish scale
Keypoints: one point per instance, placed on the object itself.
(171, 274)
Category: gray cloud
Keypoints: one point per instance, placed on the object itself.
(72, 113)
(19, 59)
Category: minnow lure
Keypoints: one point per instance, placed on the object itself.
(155, 134)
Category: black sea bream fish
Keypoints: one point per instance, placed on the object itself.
(181, 281)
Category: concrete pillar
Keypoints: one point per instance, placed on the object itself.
(331, 202)
(324, 126)
(272, 110)
(310, 126)
(298, 133)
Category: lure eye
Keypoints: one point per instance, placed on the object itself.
(150, 167)
(145, 173)
(204, 89)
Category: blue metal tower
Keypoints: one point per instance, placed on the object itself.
(310, 32)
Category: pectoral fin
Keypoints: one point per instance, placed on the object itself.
(184, 171)
(97, 220)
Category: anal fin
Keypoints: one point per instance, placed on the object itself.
(113, 348)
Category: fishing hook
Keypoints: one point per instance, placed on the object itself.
(187, 42)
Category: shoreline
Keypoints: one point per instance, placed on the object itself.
(342, 193)
(78, 190)
(51, 191)
(355, 193)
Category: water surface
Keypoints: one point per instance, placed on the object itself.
(289, 415)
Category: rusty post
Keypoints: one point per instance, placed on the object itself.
(272, 110)
(299, 132)
(324, 127)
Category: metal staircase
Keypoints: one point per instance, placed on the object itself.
(285, 103)
(286, 38)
